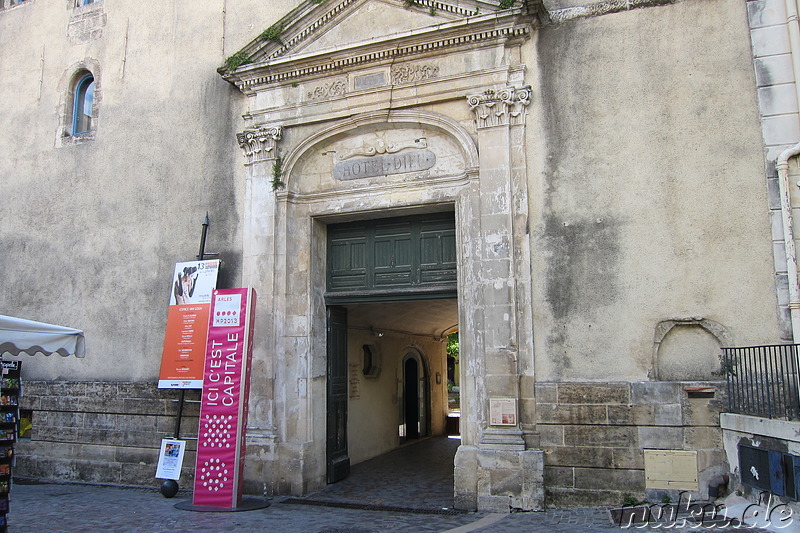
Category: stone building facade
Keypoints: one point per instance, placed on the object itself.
(588, 181)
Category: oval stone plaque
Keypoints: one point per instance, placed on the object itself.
(384, 165)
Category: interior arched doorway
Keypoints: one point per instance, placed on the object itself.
(415, 397)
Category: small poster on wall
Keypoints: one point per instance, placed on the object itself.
(170, 459)
(503, 411)
(355, 381)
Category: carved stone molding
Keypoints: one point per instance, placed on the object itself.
(505, 107)
(86, 23)
(259, 144)
(381, 147)
(325, 91)
(413, 73)
(267, 73)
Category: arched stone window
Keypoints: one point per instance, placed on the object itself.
(79, 108)
(4, 4)
(83, 105)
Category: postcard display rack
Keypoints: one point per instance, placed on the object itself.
(10, 388)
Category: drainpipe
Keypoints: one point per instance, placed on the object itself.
(782, 166)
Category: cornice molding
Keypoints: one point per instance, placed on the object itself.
(604, 7)
(485, 30)
(303, 22)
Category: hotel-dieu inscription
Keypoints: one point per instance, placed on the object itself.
(384, 165)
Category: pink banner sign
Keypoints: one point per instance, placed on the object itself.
(223, 408)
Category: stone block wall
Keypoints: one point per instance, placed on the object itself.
(594, 436)
(102, 432)
(769, 435)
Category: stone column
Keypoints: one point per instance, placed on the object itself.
(260, 150)
(506, 474)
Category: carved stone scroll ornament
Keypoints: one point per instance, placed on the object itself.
(505, 107)
(382, 147)
(413, 73)
(333, 89)
(259, 144)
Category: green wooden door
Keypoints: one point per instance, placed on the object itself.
(394, 258)
(338, 460)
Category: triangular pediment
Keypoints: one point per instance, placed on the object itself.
(331, 24)
(341, 32)
(371, 20)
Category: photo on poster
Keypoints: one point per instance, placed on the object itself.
(193, 282)
(170, 459)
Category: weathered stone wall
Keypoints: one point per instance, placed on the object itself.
(102, 432)
(594, 436)
(638, 210)
(93, 225)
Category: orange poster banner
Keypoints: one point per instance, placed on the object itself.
(183, 360)
(184, 355)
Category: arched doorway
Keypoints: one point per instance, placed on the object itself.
(415, 397)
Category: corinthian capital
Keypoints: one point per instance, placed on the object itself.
(259, 144)
(504, 107)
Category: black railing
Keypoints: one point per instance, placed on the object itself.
(763, 380)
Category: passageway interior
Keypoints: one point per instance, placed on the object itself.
(416, 476)
(402, 401)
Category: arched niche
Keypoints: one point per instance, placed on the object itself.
(689, 349)
(380, 152)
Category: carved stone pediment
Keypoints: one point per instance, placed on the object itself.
(319, 39)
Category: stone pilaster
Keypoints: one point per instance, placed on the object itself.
(260, 148)
(507, 475)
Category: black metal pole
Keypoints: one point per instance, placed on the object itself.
(202, 254)
(182, 399)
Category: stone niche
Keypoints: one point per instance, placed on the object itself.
(689, 350)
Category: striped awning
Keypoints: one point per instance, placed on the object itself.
(18, 335)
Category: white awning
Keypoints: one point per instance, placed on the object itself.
(18, 335)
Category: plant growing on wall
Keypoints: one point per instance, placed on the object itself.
(273, 33)
(507, 4)
(277, 172)
(237, 60)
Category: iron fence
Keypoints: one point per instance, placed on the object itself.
(763, 380)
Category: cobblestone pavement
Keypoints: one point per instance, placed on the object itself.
(378, 488)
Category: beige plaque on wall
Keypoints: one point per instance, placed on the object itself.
(671, 469)
(503, 411)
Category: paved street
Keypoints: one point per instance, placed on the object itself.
(381, 495)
